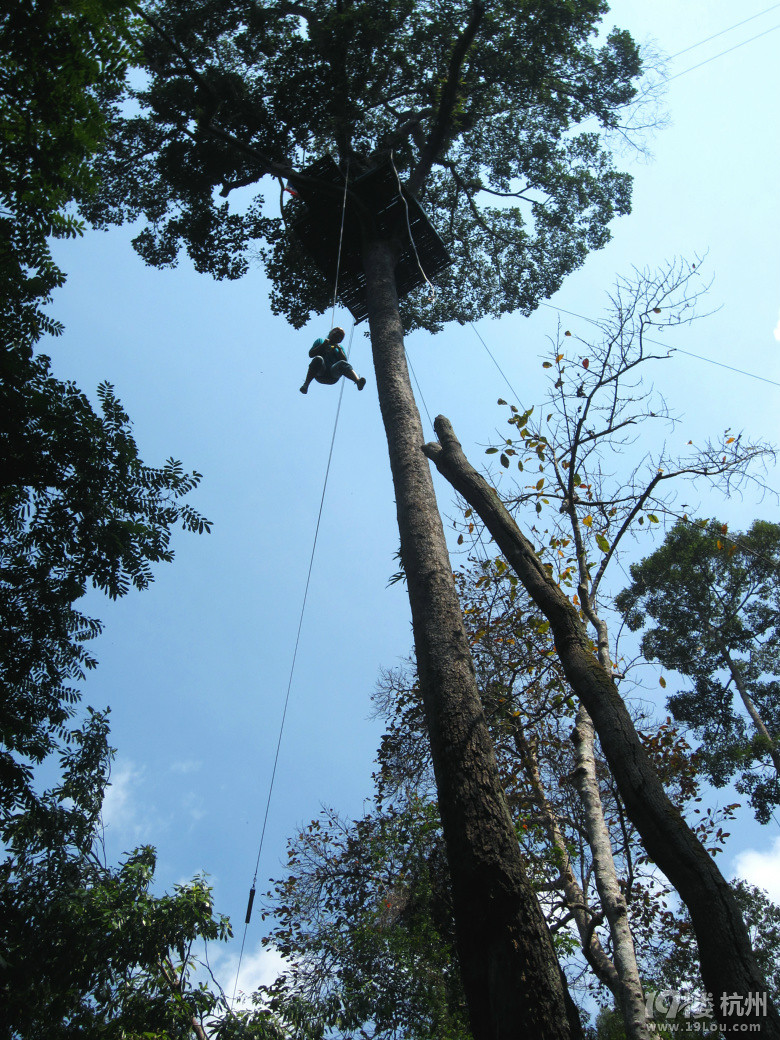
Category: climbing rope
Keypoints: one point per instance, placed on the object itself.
(253, 889)
(409, 228)
(338, 257)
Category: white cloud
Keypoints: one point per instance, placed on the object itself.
(119, 805)
(192, 804)
(761, 868)
(129, 817)
(188, 766)
(776, 332)
(257, 969)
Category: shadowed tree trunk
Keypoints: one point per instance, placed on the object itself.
(727, 962)
(513, 983)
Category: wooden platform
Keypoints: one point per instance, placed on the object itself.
(319, 226)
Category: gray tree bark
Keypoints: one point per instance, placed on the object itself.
(513, 983)
(728, 965)
(630, 996)
(594, 952)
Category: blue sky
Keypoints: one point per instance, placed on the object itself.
(196, 668)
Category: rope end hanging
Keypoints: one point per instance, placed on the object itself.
(250, 904)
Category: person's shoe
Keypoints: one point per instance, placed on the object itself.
(361, 382)
(304, 389)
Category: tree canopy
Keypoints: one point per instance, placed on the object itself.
(56, 59)
(478, 105)
(709, 601)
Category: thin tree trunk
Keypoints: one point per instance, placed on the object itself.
(750, 707)
(728, 965)
(630, 996)
(513, 983)
(594, 952)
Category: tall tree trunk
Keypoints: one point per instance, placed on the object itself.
(513, 983)
(630, 996)
(728, 965)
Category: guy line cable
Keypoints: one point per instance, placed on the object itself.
(252, 890)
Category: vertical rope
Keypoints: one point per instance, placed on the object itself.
(341, 240)
(409, 228)
(253, 889)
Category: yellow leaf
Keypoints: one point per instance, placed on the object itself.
(588, 521)
(662, 682)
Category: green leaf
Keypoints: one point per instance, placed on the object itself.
(602, 543)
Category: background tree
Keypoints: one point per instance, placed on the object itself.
(364, 916)
(84, 947)
(78, 508)
(87, 949)
(467, 99)
(599, 404)
(56, 59)
(715, 601)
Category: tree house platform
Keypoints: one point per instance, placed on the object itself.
(318, 229)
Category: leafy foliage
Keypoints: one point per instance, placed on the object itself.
(714, 598)
(86, 949)
(55, 60)
(477, 104)
(365, 917)
(672, 960)
(78, 508)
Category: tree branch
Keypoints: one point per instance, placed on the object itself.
(449, 98)
(267, 166)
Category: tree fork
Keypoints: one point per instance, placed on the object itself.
(728, 965)
(513, 982)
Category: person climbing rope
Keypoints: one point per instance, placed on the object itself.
(329, 362)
